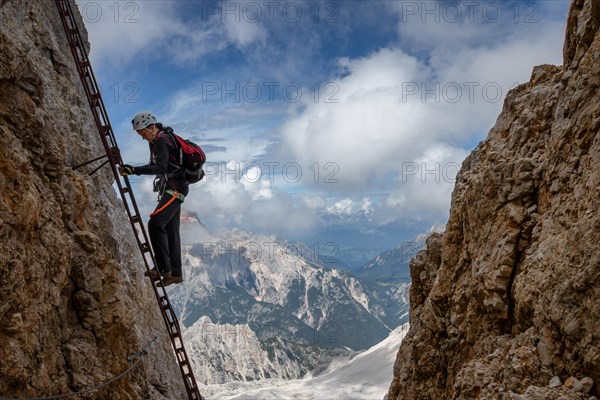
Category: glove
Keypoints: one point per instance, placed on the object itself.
(126, 170)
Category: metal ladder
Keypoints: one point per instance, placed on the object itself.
(92, 91)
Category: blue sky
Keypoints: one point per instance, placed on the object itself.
(323, 120)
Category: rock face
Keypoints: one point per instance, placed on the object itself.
(73, 300)
(222, 353)
(507, 298)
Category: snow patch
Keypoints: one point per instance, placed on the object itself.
(367, 376)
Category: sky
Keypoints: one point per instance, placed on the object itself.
(323, 121)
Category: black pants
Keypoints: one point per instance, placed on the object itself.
(163, 228)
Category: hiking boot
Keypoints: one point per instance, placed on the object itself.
(170, 280)
(154, 274)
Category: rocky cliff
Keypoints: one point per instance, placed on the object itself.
(73, 300)
(222, 353)
(505, 305)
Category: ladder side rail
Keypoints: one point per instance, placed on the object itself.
(180, 346)
(100, 115)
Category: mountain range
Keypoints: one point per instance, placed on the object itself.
(279, 302)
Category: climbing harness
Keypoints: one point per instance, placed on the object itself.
(92, 92)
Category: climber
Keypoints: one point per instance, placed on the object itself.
(172, 187)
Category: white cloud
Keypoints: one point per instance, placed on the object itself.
(248, 202)
(366, 205)
(424, 186)
(119, 35)
(348, 207)
(244, 31)
(149, 31)
(386, 130)
(395, 110)
(440, 26)
(358, 132)
(342, 207)
(257, 187)
(313, 202)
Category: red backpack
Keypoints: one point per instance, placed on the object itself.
(191, 157)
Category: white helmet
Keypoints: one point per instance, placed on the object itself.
(142, 120)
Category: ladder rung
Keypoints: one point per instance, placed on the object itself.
(173, 328)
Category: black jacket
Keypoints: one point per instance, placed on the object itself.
(164, 163)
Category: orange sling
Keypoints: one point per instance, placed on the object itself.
(167, 204)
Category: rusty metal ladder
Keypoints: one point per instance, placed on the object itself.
(92, 91)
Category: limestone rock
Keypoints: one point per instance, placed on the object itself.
(554, 383)
(584, 385)
(570, 382)
(73, 300)
(510, 295)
